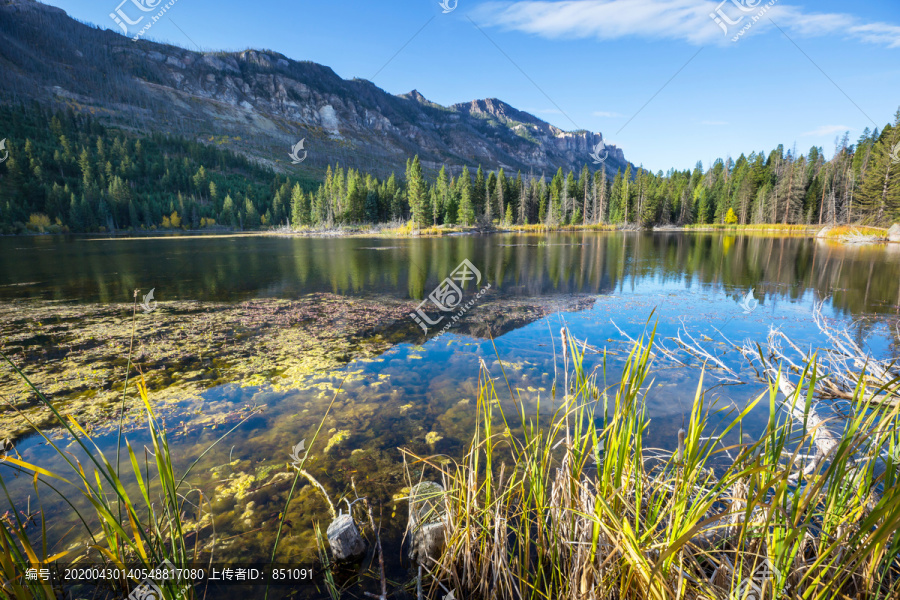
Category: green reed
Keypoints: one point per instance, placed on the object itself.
(571, 505)
(575, 506)
(138, 515)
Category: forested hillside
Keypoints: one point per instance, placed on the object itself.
(260, 103)
(66, 172)
(859, 184)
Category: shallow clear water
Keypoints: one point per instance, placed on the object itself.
(594, 283)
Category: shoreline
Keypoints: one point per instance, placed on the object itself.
(872, 234)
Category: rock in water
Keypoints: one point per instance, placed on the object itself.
(344, 538)
(824, 232)
(427, 522)
(894, 233)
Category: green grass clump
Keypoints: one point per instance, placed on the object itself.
(123, 528)
(575, 506)
(139, 513)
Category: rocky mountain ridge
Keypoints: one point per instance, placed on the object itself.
(261, 103)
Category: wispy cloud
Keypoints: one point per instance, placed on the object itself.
(827, 130)
(717, 123)
(685, 20)
(607, 114)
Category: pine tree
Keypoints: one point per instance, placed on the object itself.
(501, 194)
(466, 213)
(228, 215)
(372, 206)
(879, 195)
(443, 193)
(251, 215)
(522, 216)
(478, 192)
(434, 204)
(415, 192)
(299, 216)
(617, 199)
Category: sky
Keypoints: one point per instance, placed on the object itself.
(661, 79)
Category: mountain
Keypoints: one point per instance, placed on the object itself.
(260, 103)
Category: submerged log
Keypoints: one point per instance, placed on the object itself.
(427, 522)
(344, 538)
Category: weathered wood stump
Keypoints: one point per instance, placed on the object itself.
(344, 538)
(427, 522)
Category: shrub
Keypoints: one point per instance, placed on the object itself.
(731, 218)
(38, 222)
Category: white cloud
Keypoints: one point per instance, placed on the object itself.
(827, 130)
(714, 122)
(607, 114)
(685, 20)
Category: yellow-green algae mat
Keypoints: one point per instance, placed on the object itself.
(77, 354)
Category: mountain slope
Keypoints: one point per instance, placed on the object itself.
(260, 103)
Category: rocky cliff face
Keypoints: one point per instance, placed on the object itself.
(260, 103)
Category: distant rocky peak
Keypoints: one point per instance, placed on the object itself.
(416, 96)
(498, 109)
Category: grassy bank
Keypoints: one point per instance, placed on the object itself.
(855, 234)
(767, 227)
(399, 229)
(409, 229)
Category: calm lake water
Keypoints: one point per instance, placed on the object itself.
(594, 283)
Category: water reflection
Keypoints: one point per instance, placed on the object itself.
(858, 278)
(397, 397)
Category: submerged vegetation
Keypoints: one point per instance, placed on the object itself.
(576, 506)
(76, 354)
(568, 502)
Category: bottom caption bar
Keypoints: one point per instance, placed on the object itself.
(169, 576)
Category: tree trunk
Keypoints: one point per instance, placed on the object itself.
(427, 522)
(344, 538)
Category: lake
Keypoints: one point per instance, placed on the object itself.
(255, 335)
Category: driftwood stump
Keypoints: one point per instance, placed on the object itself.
(344, 538)
(427, 522)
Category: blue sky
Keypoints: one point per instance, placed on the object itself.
(659, 78)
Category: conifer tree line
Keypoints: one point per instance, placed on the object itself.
(65, 171)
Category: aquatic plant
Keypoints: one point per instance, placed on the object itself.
(137, 514)
(572, 505)
(575, 505)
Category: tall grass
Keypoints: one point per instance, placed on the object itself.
(544, 228)
(570, 505)
(850, 233)
(139, 515)
(125, 529)
(577, 507)
(778, 227)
